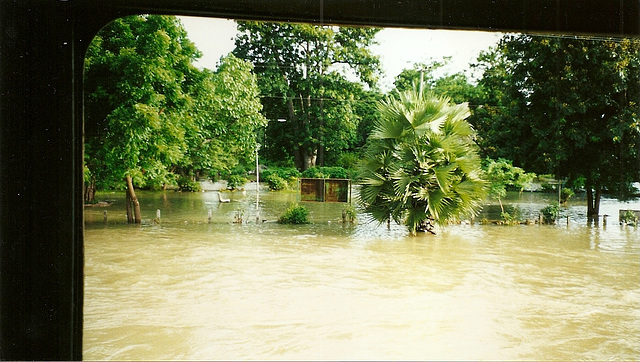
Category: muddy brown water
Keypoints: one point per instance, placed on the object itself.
(189, 289)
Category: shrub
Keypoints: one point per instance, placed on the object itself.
(284, 173)
(349, 214)
(235, 182)
(348, 160)
(186, 184)
(511, 218)
(295, 214)
(567, 193)
(275, 182)
(550, 213)
(628, 217)
(279, 178)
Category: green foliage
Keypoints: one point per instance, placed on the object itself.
(295, 214)
(275, 182)
(282, 172)
(455, 86)
(409, 79)
(226, 115)
(501, 175)
(513, 218)
(185, 183)
(550, 213)
(236, 182)
(325, 172)
(294, 65)
(150, 112)
(349, 214)
(566, 106)
(348, 160)
(138, 71)
(421, 164)
(280, 178)
(629, 218)
(566, 194)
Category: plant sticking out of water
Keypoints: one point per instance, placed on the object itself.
(513, 218)
(295, 214)
(550, 213)
(628, 217)
(567, 193)
(349, 214)
(239, 217)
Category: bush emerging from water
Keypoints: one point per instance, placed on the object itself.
(550, 213)
(567, 193)
(275, 182)
(236, 182)
(186, 184)
(280, 178)
(295, 214)
(349, 214)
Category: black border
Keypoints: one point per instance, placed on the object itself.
(42, 46)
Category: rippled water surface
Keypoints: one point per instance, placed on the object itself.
(187, 289)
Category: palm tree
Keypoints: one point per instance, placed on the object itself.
(421, 167)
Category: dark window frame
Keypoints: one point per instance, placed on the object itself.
(42, 46)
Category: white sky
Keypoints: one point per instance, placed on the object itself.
(398, 48)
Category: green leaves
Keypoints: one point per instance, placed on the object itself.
(301, 74)
(564, 105)
(150, 113)
(421, 164)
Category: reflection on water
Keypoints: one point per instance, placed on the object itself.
(189, 289)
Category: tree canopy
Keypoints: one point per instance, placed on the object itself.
(567, 106)
(138, 71)
(303, 77)
(421, 166)
(226, 117)
(151, 115)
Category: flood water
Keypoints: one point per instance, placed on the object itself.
(189, 289)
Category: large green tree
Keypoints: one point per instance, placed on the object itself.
(226, 117)
(138, 71)
(302, 73)
(421, 166)
(567, 106)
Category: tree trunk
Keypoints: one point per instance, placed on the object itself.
(593, 202)
(133, 205)
(297, 150)
(90, 191)
(320, 158)
(321, 135)
(310, 159)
